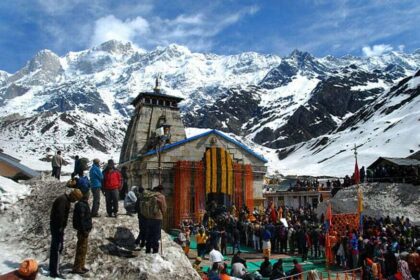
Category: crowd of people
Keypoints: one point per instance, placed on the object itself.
(86, 180)
(393, 244)
(329, 185)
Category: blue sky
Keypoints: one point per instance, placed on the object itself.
(322, 27)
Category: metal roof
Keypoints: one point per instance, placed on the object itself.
(213, 131)
(9, 157)
(23, 168)
(398, 161)
(403, 161)
(415, 155)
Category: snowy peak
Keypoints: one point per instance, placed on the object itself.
(177, 50)
(45, 60)
(114, 46)
(300, 56)
(406, 61)
(273, 101)
(3, 77)
(44, 67)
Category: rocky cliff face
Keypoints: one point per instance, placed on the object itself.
(321, 92)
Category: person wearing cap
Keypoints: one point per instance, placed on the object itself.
(28, 270)
(112, 185)
(58, 222)
(82, 222)
(96, 179)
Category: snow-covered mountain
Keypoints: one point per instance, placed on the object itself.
(80, 102)
(387, 126)
(304, 97)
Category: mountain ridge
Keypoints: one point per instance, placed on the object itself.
(276, 102)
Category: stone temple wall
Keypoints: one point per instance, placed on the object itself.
(143, 125)
(145, 171)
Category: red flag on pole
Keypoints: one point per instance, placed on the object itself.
(356, 174)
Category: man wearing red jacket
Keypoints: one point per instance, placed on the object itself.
(112, 185)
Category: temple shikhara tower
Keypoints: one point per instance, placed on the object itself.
(206, 168)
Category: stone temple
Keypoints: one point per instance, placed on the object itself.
(194, 171)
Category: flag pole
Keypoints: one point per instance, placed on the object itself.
(359, 191)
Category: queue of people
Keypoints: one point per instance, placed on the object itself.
(150, 205)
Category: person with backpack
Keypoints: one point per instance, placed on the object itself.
(82, 222)
(112, 185)
(153, 207)
(96, 179)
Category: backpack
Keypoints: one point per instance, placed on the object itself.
(84, 164)
(149, 207)
(83, 184)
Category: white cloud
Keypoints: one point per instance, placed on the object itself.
(196, 31)
(376, 50)
(401, 48)
(111, 28)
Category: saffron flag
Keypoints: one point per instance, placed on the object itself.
(356, 174)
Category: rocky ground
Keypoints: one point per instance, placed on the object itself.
(111, 254)
(380, 200)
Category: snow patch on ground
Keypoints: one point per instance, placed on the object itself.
(11, 192)
(111, 253)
